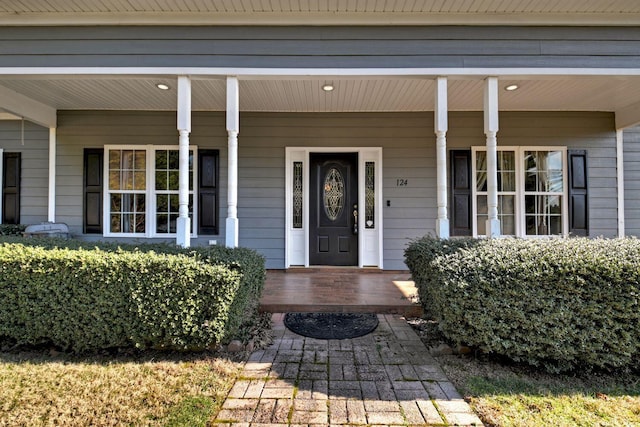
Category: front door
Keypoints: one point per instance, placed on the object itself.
(333, 209)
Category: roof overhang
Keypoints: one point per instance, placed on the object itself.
(321, 12)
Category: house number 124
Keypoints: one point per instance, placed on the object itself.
(401, 182)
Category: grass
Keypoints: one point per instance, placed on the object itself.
(510, 395)
(151, 389)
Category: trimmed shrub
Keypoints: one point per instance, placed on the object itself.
(561, 304)
(12, 229)
(53, 291)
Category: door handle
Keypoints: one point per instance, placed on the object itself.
(355, 219)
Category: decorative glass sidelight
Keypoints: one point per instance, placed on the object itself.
(333, 194)
(297, 195)
(370, 195)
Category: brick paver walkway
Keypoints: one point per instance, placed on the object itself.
(386, 378)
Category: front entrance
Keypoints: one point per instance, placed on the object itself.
(333, 209)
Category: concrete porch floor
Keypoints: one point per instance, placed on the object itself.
(342, 290)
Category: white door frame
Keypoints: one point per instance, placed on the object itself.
(370, 240)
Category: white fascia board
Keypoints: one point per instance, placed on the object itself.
(328, 18)
(30, 109)
(628, 116)
(302, 73)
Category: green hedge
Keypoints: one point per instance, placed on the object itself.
(159, 296)
(12, 229)
(557, 303)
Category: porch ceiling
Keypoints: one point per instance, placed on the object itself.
(601, 93)
(320, 12)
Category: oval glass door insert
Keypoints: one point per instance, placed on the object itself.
(333, 194)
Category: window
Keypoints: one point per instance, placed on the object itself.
(531, 191)
(142, 192)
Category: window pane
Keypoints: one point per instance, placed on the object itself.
(506, 205)
(507, 225)
(114, 159)
(161, 159)
(116, 203)
(162, 223)
(126, 160)
(506, 171)
(297, 195)
(174, 159)
(140, 160)
(174, 181)
(482, 205)
(114, 180)
(126, 177)
(481, 170)
(140, 181)
(161, 180)
(370, 194)
(482, 225)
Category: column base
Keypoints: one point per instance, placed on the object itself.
(231, 240)
(493, 228)
(183, 232)
(442, 228)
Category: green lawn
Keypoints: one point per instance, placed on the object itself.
(505, 395)
(153, 389)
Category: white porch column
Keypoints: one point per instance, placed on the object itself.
(441, 126)
(233, 127)
(51, 212)
(183, 225)
(490, 130)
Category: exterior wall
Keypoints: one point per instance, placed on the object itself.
(594, 132)
(632, 181)
(320, 47)
(35, 166)
(90, 129)
(408, 144)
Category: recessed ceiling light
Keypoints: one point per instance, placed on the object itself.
(511, 88)
(327, 87)
(162, 86)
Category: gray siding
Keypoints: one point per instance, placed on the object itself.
(89, 129)
(308, 47)
(35, 166)
(632, 181)
(408, 144)
(594, 132)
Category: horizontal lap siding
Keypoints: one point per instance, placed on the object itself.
(632, 181)
(78, 130)
(406, 140)
(408, 144)
(593, 132)
(322, 47)
(34, 149)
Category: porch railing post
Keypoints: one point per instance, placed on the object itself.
(491, 130)
(233, 128)
(51, 209)
(441, 127)
(183, 225)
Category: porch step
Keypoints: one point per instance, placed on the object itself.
(340, 290)
(413, 310)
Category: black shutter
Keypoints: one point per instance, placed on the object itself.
(93, 187)
(578, 194)
(208, 192)
(11, 188)
(461, 182)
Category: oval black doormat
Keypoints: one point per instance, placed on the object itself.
(331, 326)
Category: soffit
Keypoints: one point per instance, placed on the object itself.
(320, 12)
(350, 94)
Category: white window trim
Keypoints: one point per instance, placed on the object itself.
(150, 193)
(519, 208)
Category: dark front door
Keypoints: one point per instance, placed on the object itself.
(333, 182)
